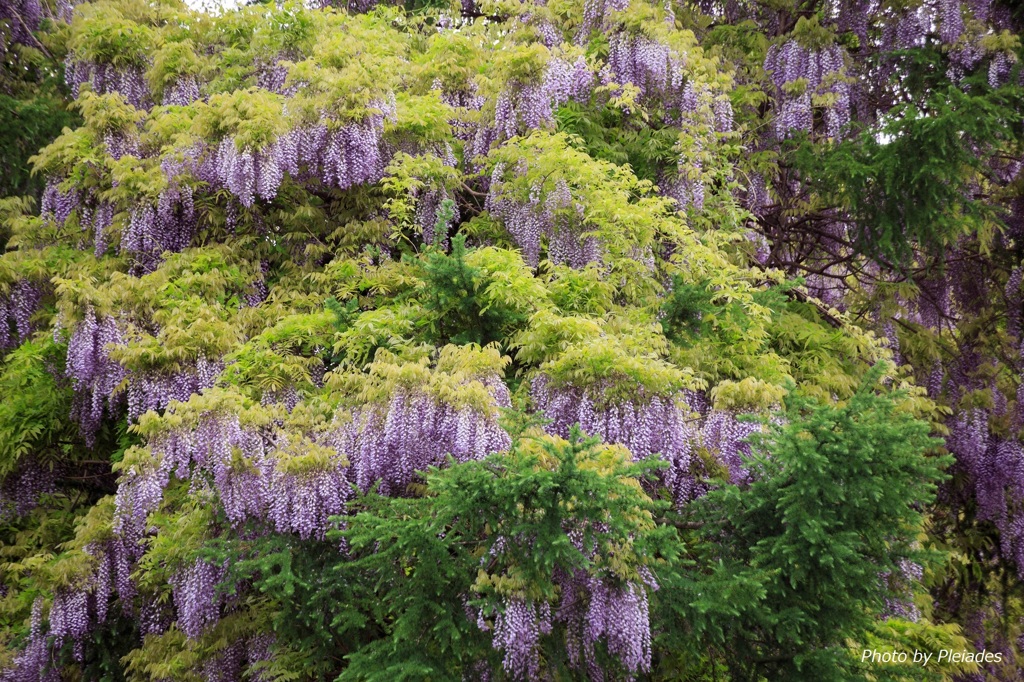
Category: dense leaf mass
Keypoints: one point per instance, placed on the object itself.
(511, 340)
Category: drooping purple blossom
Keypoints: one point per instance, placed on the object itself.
(652, 66)
(259, 290)
(260, 486)
(119, 143)
(951, 21)
(18, 20)
(97, 216)
(128, 81)
(17, 309)
(757, 198)
(592, 609)
(517, 631)
(21, 490)
(183, 92)
(34, 663)
(673, 428)
(196, 598)
(822, 72)
(414, 431)
(996, 468)
(94, 375)
(999, 70)
(902, 606)
(522, 107)
(555, 216)
(620, 615)
(302, 502)
(152, 230)
(595, 14)
(56, 204)
(247, 173)
(155, 390)
(338, 157)
(271, 74)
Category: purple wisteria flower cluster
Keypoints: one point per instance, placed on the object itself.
(390, 443)
(556, 216)
(34, 662)
(98, 379)
(674, 428)
(428, 213)
(128, 81)
(337, 157)
(196, 598)
(17, 308)
(517, 631)
(56, 205)
(183, 92)
(595, 16)
(995, 466)
(596, 609)
(78, 609)
(663, 79)
(152, 230)
(21, 18)
(591, 609)
(94, 375)
(522, 107)
(20, 490)
(236, 661)
(800, 74)
(258, 474)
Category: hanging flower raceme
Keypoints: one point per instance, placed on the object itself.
(291, 483)
(56, 204)
(247, 173)
(556, 217)
(592, 609)
(196, 598)
(335, 156)
(522, 107)
(234, 660)
(155, 390)
(80, 607)
(183, 92)
(645, 427)
(899, 582)
(414, 431)
(20, 490)
(674, 428)
(21, 18)
(169, 226)
(802, 74)
(596, 609)
(308, 484)
(95, 376)
(16, 310)
(128, 81)
(652, 66)
(101, 383)
(272, 74)
(595, 14)
(34, 662)
(191, 447)
(415, 424)
(517, 631)
(429, 212)
(995, 466)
